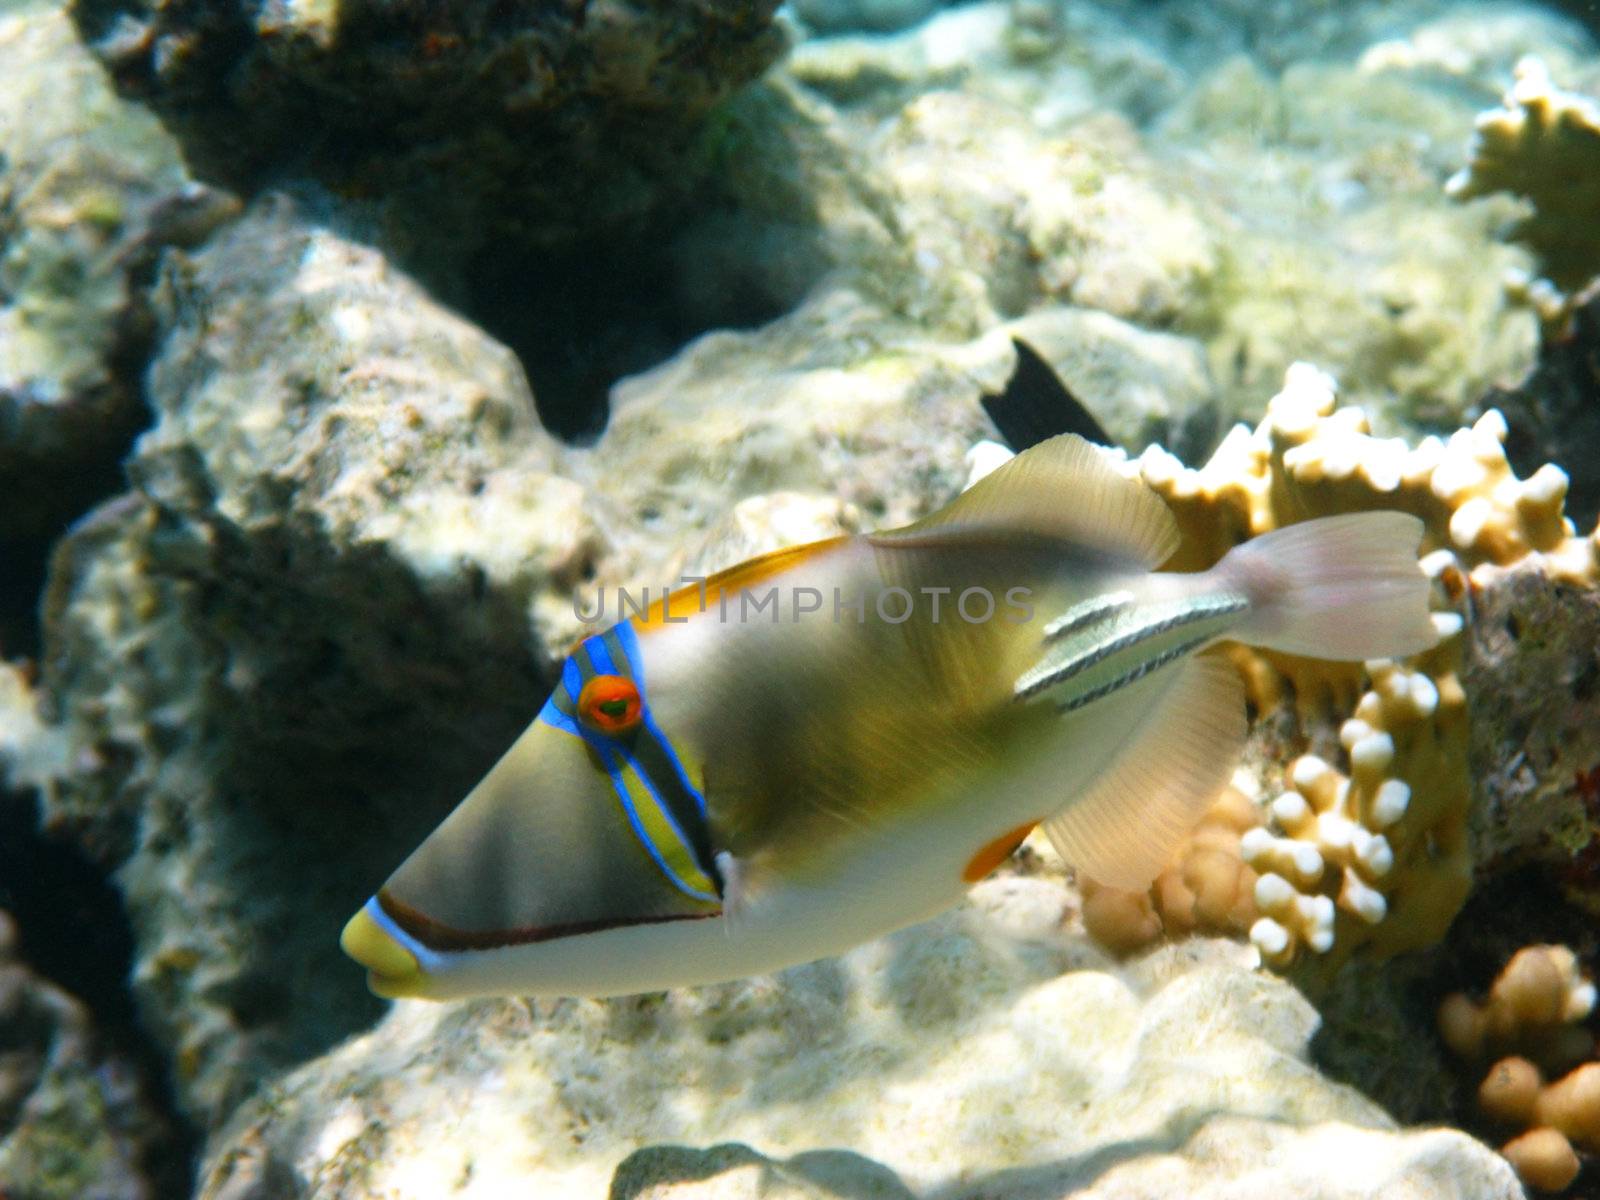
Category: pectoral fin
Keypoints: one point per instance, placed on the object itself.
(1121, 829)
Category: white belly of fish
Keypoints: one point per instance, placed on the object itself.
(895, 878)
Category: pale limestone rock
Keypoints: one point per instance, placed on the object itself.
(1142, 386)
(1032, 154)
(30, 750)
(953, 208)
(1479, 44)
(1229, 1159)
(974, 1054)
(91, 187)
(312, 624)
(843, 399)
(1313, 171)
(770, 522)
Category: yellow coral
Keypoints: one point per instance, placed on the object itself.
(1543, 144)
(1532, 1022)
(1369, 852)
(1207, 886)
(1389, 835)
(1308, 459)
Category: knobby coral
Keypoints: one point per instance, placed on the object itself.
(1365, 845)
(1207, 886)
(1543, 145)
(1530, 1028)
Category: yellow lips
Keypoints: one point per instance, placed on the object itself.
(392, 970)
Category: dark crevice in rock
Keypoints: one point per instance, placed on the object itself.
(584, 317)
(22, 564)
(74, 932)
(55, 490)
(531, 163)
(62, 490)
(73, 488)
(1553, 415)
(1377, 1035)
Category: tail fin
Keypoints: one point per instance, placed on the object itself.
(1345, 587)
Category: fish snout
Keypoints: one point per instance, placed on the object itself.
(392, 970)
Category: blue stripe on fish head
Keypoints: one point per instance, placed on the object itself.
(673, 827)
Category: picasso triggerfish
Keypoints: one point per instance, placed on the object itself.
(833, 741)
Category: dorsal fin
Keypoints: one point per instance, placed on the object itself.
(1063, 488)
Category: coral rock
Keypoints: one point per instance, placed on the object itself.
(75, 1120)
(1367, 843)
(458, 121)
(1543, 1159)
(954, 1056)
(91, 187)
(346, 529)
(1207, 887)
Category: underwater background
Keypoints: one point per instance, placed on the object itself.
(345, 346)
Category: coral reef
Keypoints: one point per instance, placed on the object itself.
(941, 1058)
(1394, 826)
(1414, 328)
(1344, 847)
(1536, 730)
(74, 1119)
(352, 548)
(458, 125)
(1270, 234)
(349, 552)
(1543, 145)
(1479, 45)
(333, 560)
(1207, 888)
(90, 189)
(1530, 1028)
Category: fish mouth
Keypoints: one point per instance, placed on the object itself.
(393, 971)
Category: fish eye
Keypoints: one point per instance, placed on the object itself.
(610, 704)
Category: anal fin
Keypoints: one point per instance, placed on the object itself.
(1177, 756)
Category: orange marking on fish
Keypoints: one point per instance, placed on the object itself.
(995, 853)
(686, 601)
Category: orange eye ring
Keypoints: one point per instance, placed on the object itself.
(610, 704)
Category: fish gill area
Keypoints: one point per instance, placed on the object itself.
(344, 347)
